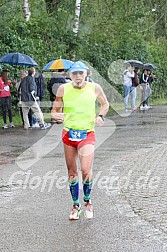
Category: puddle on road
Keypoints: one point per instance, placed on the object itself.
(4, 187)
(9, 157)
(11, 153)
(5, 162)
(8, 187)
(8, 193)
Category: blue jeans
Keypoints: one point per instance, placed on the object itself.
(133, 97)
(148, 93)
(132, 91)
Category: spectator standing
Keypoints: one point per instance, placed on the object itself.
(5, 98)
(128, 89)
(57, 80)
(135, 84)
(28, 87)
(151, 78)
(23, 73)
(144, 84)
(54, 83)
(89, 76)
(40, 93)
(40, 83)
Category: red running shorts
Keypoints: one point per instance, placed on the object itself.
(89, 140)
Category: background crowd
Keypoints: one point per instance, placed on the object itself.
(135, 83)
(31, 89)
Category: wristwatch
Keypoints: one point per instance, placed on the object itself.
(102, 117)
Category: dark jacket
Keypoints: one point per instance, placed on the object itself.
(54, 84)
(144, 78)
(27, 85)
(40, 83)
(135, 80)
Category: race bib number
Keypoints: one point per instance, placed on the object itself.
(77, 135)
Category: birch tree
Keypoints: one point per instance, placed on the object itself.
(77, 16)
(26, 9)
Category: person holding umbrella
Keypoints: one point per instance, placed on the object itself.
(128, 75)
(151, 78)
(146, 83)
(5, 98)
(145, 86)
(53, 84)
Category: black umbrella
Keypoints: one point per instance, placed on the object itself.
(17, 59)
(149, 66)
(135, 63)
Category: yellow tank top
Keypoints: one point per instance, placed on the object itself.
(79, 107)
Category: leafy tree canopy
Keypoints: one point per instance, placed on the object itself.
(108, 30)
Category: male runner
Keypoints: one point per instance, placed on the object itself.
(77, 98)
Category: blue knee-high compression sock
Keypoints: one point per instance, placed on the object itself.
(87, 187)
(74, 189)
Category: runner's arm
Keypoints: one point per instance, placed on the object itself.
(104, 105)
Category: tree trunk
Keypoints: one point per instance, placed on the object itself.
(77, 15)
(26, 9)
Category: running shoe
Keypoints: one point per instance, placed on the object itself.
(75, 213)
(89, 210)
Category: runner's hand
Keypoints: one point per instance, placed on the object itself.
(99, 121)
(57, 116)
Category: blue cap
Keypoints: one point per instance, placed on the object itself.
(78, 66)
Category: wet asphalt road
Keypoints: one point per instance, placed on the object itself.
(129, 196)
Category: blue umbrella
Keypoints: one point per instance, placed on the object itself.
(46, 67)
(17, 59)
